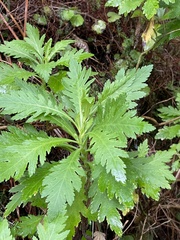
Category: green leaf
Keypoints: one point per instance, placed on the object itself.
(10, 73)
(150, 8)
(61, 183)
(67, 14)
(123, 192)
(75, 211)
(76, 90)
(151, 173)
(168, 113)
(33, 39)
(143, 149)
(77, 20)
(20, 49)
(5, 233)
(73, 54)
(111, 154)
(132, 84)
(16, 200)
(169, 132)
(59, 46)
(55, 81)
(44, 70)
(27, 226)
(30, 101)
(112, 16)
(107, 209)
(32, 185)
(99, 26)
(21, 149)
(124, 6)
(52, 230)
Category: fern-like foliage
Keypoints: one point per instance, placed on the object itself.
(4, 230)
(37, 54)
(171, 115)
(98, 176)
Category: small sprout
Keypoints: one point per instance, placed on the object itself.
(99, 26)
(77, 20)
(67, 14)
(112, 16)
(47, 11)
(40, 19)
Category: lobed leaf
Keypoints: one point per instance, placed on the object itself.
(10, 73)
(132, 84)
(150, 8)
(30, 101)
(151, 173)
(61, 183)
(5, 230)
(52, 230)
(75, 212)
(21, 149)
(27, 226)
(107, 209)
(76, 86)
(168, 132)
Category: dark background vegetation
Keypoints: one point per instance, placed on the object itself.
(111, 49)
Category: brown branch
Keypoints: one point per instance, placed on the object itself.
(162, 123)
(14, 20)
(25, 17)
(7, 25)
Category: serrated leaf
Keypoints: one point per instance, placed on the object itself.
(123, 192)
(5, 233)
(76, 86)
(19, 49)
(167, 113)
(33, 39)
(25, 150)
(59, 46)
(143, 149)
(52, 230)
(169, 132)
(151, 173)
(73, 54)
(61, 183)
(10, 73)
(75, 211)
(150, 8)
(32, 185)
(16, 200)
(124, 6)
(111, 155)
(107, 209)
(55, 81)
(132, 84)
(30, 101)
(27, 226)
(44, 70)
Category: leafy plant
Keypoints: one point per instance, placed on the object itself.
(149, 7)
(99, 177)
(71, 15)
(171, 116)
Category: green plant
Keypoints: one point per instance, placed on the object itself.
(170, 115)
(149, 7)
(99, 177)
(71, 15)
